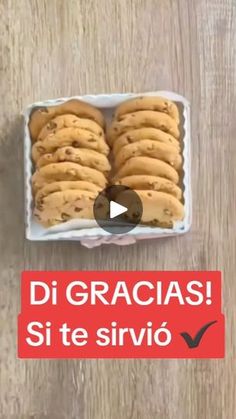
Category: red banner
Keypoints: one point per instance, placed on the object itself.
(88, 314)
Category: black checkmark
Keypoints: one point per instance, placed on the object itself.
(194, 342)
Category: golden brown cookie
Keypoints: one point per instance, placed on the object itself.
(159, 209)
(143, 134)
(153, 183)
(66, 171)
(151, 103)
(141, 119)
(83, 156)
(74, 137)
(65, 185)
(54, 217)
(149, 148)
(62, 206)
(67, 121)
(147, 166)
(40, 116)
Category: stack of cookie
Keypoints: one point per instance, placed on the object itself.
(70, 155)
(145, 140)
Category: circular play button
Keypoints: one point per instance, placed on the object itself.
(118, 209)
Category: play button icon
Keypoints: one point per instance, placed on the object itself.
(118, 209)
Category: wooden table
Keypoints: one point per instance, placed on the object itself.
(54, 48)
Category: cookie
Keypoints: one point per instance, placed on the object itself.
(159, 209)
(65, 185)
(149, 148)
(41, 115)
(54, 217)
(153, 183)
(67, 121)
(74, 137)
(66, 171)
(150, 103)
(143, 134)
(147, 166)
(83, 156)
(141, 119)
(62, 206)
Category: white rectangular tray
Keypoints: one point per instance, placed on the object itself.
(87, 231)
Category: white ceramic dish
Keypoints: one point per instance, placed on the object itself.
(87, 231)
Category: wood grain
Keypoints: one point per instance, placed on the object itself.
(54, 48)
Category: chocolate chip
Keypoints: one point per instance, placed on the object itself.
(68, 151)
(51, 125)
(149, 194)
(75, 144)
(65, 216)
(78, 209)
(155, 222)
(167, 212)
(39, 205)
